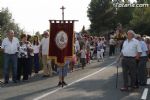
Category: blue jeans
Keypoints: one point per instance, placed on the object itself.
(36, 63)
(10, 60)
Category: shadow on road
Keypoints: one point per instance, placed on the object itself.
(103, 89)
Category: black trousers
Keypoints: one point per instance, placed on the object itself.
(142, 70)
(111, 50)
(129, 71)
(23, 69)
(30, 64)
(54, 66)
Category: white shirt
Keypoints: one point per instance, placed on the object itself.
(99, 46)
(77, 46)
(83, 53)
(112, 42)
(23, 50)
(103, 42)
(10, 47)
(148, 46)
(131, 48)
(144, 48)
(36, 48)
(31, 47)
(45, 46)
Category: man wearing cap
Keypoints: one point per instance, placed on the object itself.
(131, 51)
(47, 71)
(10, 46)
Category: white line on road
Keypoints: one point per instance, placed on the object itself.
(148, 81)
(144, 95)
(46, 94)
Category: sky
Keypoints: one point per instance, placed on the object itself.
(33, 15)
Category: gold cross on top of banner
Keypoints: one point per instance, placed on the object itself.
(62, 8)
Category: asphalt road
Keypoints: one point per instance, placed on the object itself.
(96, 82)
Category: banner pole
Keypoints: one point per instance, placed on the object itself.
(117, 77)
(62, 77)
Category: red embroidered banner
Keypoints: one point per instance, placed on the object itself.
(61, 41)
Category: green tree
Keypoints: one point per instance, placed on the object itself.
(101, 14)
(124, 14)
(105, 15)
(148, 1)
(141, 20)
(7, 23)
(143, 1)
(5, 17)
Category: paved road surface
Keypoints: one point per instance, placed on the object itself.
(96, 82)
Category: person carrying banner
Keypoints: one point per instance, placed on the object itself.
(62, 72)
(61, 45)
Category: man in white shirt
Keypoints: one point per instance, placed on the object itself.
(131, 51)
(10, 47)
(142, 62)
(45, 49)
